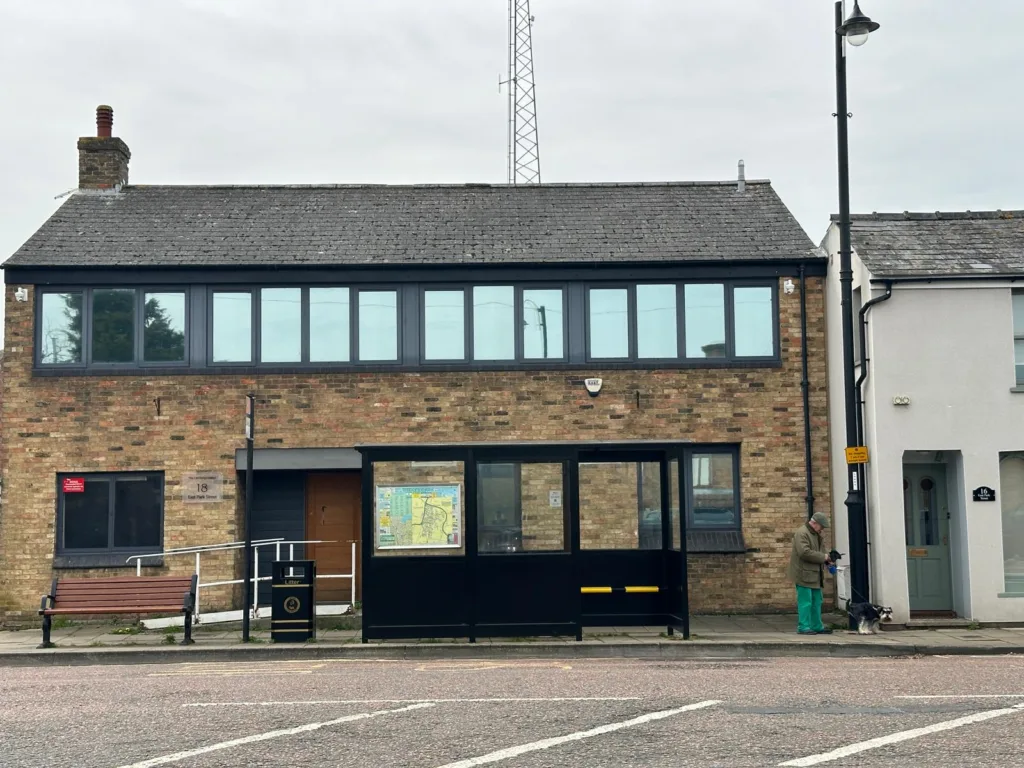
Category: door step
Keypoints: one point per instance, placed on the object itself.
(937, 622)
(222, 617)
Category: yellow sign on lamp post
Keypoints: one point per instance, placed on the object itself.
(857, 455)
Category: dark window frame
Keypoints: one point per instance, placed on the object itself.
(138, 361)
(354, 292)
(520, 326)
(254, 327)
(471, 326)
(686, 481)
(1018, 335)
(730, 320)
(631, 343)
(517, 479)
(467, 322)
(104, 553)
(307, 328)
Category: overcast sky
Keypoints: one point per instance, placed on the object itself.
(337, 91)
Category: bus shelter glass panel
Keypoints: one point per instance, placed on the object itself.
(520, 508)
(620, 505)
(418, 508)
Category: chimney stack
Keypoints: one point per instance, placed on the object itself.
(741, 181)
(103, 159)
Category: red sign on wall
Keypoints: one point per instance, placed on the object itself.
(73, 485)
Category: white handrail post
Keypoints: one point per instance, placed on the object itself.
(255, 582)
(138, 566)
(353, 576)
(277, 553)
(199, 582)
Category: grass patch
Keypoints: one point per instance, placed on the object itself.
(62, 622)
(974, 625)
(170, 638)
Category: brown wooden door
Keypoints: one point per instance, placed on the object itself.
(333, 503)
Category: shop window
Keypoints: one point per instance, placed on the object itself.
(60, 328)
(378, 326)
(520, 508)
(280, 325)
(109, 513)
(1011, 499)
(329, 325)
(705, 320)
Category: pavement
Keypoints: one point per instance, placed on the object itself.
(117, 642)
(517, 713)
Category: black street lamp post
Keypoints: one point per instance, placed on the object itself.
(854, 30)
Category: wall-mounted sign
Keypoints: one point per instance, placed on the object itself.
(857, 455)
(73, 485)
(984, 493)
(200, 487)
(418, 516)
(555, 498)
(917, 552)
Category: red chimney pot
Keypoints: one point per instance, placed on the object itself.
(104, 121)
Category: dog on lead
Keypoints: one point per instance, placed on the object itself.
(867, 617)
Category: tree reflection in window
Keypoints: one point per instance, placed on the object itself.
(60, 335)
(164, 329)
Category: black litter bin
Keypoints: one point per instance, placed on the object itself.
(292, 601)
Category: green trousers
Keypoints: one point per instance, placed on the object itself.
(808, 606)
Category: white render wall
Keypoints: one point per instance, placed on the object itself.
(949, 348)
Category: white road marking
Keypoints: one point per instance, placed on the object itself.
(967, 696)
(895, 738)
(405, 701)
(163, 759)
(522, 749)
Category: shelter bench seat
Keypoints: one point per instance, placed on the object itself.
(120, 595)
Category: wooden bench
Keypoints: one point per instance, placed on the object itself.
(118, 595)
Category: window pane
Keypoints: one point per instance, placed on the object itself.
(520, 508)
(281, 325)
(444, 325)
(656, 332)
(113, 325)
(542, 324)
(378, 325)
(650, 505)
(329, 332)
(163, 338)
(232, 327)
(752, 308)
(1018, 347)
(1018, 313)
(609, 506)
(714, 497)
(137, 511)
(1011, 491)
(60, 335)
(609, 322)
(673, 502)
(86, 516)
(705, 320)
(494, 322)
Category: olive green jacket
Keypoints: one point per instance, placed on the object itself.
(807, 558)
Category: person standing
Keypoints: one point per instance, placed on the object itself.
(807, 562)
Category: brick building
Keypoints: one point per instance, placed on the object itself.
(373, 321)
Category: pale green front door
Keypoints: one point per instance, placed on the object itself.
(926, 520)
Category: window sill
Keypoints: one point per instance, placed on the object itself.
(71, 562)
(1011, 594)
(1018, 388)
(715, 542)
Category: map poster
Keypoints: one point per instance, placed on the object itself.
(418, 516)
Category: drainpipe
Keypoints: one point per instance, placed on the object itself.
(805, 387)
(862, 338)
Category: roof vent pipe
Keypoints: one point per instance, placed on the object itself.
(741, 183)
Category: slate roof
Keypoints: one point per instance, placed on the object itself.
(206, 226)
(965, 244)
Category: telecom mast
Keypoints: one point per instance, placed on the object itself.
(523, 149)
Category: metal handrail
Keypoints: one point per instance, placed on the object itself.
(199, 550)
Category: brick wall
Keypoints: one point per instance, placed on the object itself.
(82, 424)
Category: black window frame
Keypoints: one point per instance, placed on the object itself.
(139, 327)
(471, 325)
(307, 327)
(354, 292)
(109, 555)
(686, 458)
(730, 320)
(631, 344)
(467, 322)
(521, 287)
(254, 326)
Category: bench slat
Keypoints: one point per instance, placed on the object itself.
(124, 590)
(123, 580)
(104, 609)
(140, 584)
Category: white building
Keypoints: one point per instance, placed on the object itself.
(942, 409)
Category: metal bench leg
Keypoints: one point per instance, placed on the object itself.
(47, 624)
(188, 629)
